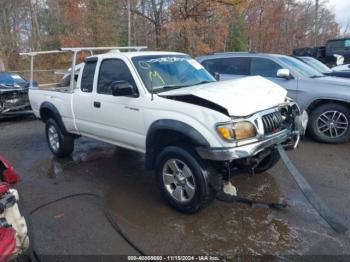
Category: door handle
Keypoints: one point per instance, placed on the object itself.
(97, 104)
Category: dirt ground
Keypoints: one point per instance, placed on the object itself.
(77, 226)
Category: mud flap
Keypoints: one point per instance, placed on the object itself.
(311, 196)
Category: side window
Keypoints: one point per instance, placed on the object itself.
(263, 67)
(112, 70)
(229, 66)
(87, 78)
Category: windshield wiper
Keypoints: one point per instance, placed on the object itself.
(181, 86)
(168, 87)
(204, 82)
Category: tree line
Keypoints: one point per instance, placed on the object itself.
(191, 26)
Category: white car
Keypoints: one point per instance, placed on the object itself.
(191, 128)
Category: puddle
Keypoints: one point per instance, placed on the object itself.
(220, 229)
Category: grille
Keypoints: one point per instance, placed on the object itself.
(272, 122)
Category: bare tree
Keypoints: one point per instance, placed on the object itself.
(153, 12)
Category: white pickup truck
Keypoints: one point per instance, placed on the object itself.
(190, 127)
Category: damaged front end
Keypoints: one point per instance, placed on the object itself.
(14, 101)
(283, 125)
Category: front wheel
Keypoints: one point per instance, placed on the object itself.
(60, 144)
(183, 179)
(330, 123)
(268, 162)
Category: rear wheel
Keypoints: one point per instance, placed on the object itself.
(330, 123)
(183, 179)
(61, 144)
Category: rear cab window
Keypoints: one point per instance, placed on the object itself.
(87, 78)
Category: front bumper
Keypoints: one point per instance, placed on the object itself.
(288, 138)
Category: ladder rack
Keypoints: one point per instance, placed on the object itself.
(75, 51)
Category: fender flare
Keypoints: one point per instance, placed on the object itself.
(56, 114)
(169, 125)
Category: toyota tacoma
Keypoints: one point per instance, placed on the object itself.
(191, 128)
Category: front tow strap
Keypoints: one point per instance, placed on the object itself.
(311, 196)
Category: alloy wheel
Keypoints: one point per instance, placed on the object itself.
(332, 124)
(53, 138)
(179, 180)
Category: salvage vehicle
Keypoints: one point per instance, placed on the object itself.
(13, 95)
(322, 68)
(191, 128)
(325, 98)
(14, 239)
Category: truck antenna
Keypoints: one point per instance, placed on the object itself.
(152, 93)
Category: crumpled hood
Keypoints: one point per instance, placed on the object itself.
(240, 97)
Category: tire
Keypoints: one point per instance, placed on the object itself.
(63, 143)
(268, 162)
(324, 118)
(193, 191)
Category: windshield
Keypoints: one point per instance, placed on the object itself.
(315, 64)
(165, 72)
(300, 67)
(10, 79)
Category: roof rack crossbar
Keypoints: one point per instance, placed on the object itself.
(78, 49)
(137, 48)
(41, 52)
(74, 51)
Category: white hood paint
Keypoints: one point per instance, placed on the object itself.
(240, 97)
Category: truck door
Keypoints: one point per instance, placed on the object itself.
(82, 97)
(118, 119)
(268, 68)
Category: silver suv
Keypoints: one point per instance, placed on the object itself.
(325, 98)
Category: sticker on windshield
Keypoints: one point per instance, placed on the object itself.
(170, 59)
(347, 43)
(196, 65)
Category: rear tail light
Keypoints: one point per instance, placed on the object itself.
(8, 174)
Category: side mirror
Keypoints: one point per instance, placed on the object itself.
(123, 88)
(284, 73)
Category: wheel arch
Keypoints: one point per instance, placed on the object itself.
(322, 101)
(47, 111)
(168, 132)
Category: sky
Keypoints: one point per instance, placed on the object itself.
(341, 9)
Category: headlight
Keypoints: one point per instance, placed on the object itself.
(236, 131)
